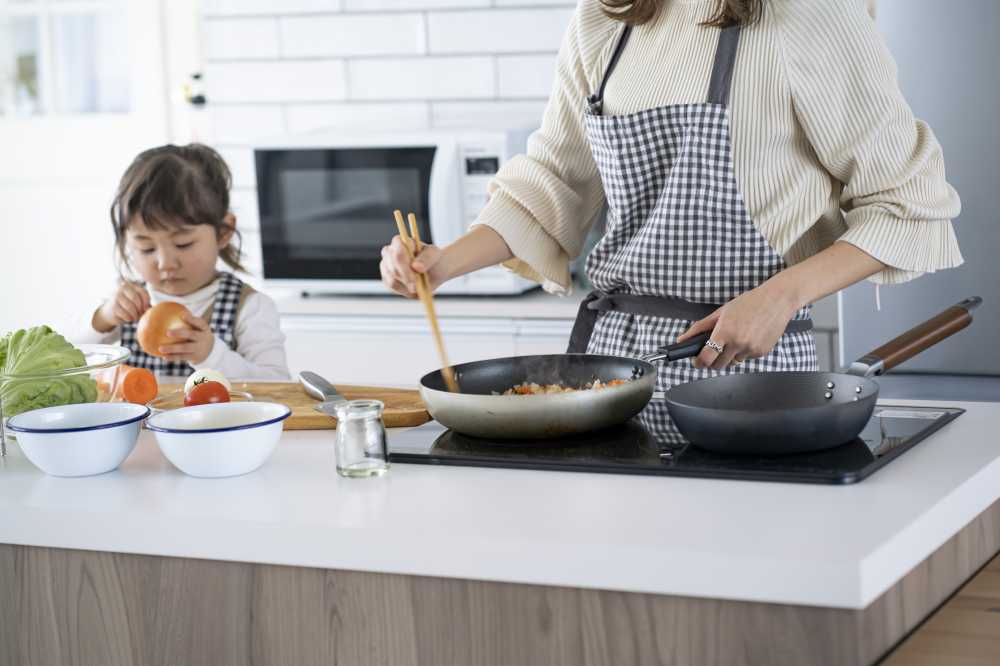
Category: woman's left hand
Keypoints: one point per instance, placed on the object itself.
(194, 342)
(748, 326)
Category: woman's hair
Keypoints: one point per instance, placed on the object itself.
(169, 186)
(727, 12)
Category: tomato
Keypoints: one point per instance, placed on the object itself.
(207, 393)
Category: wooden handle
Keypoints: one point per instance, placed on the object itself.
(923, 336)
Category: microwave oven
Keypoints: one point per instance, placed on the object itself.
(326, 202)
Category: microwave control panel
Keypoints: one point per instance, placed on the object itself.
(479, 163)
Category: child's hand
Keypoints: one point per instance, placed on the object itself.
(128, 304)
(194, 342)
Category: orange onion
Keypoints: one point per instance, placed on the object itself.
(156, 322)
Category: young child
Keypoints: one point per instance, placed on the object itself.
(172, 224)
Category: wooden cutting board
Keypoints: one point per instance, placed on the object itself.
(403, 407)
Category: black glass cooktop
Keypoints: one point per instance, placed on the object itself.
(650, 444)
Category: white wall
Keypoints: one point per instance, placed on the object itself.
(277, 67)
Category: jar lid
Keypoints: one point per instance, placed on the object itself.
(356, 409)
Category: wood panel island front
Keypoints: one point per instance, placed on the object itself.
(442, 565)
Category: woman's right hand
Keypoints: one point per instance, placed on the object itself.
(400, 274)
(128, 304)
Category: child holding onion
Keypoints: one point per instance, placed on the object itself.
(172, 225)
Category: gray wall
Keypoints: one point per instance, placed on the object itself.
(949, 69)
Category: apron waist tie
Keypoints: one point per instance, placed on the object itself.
(597, 302)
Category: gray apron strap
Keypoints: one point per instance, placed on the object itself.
(596, 101)
(722, 69)
(597, 302)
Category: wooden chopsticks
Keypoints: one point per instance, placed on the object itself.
(425, 294)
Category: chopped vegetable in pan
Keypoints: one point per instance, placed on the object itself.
(531, 388)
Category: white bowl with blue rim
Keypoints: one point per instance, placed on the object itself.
(79, 440)
(222, 439)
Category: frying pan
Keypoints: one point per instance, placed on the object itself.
(798, 412)
(480, 411)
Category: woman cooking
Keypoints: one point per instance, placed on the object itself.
(754, 156)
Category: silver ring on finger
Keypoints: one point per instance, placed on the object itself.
(718, 347)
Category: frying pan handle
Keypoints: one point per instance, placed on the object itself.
(917, 339)
(679, 350)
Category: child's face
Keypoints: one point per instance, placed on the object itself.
(176, 261)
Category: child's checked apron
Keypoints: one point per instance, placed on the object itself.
(222, 321)
(679, 241)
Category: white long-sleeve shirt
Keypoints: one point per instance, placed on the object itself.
(260, 344)
(825, 146)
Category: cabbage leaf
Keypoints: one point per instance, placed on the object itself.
(40, 350)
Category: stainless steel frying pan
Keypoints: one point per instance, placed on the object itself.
(479, 411)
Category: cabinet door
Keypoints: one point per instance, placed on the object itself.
(542, 336)
(388, 351)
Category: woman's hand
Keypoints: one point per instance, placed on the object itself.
(400, 274)
(478, 248)
(194, 342)
(128, 304)
(748, 326)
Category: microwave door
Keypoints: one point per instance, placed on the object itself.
(326, 213)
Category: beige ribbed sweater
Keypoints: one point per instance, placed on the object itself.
(824, 145)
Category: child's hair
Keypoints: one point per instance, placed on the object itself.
(172, 184)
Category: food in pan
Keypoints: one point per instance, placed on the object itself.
(531, 388)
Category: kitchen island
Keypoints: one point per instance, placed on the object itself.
(440, 565)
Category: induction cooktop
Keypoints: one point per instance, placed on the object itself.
(650, 444)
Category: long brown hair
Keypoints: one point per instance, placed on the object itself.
(173, 185)
(727, 12)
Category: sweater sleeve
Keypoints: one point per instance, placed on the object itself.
(543, 203)
(897, 204)
(260, 344)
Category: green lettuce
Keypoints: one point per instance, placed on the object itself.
(41, 350)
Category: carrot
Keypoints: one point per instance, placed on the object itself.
(136, 385)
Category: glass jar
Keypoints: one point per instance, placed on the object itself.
(360, 447)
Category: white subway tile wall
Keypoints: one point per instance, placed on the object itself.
(275, 67)
(496, 31)
(241, 39)
(348, 116)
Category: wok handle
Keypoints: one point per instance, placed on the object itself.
(917, 339)
(679, 350)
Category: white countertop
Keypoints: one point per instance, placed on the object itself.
(834, 546)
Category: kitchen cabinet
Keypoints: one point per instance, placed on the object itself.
(398, 350)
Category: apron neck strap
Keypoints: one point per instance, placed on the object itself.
(722, 69)
(596, 101)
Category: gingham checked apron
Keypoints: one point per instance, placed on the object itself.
(223, 323)
(679, 241)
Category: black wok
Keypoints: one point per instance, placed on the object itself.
(797, 412)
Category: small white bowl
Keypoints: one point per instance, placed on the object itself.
(79, 440)
(223, 439)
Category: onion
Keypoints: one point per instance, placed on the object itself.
(153, 327)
